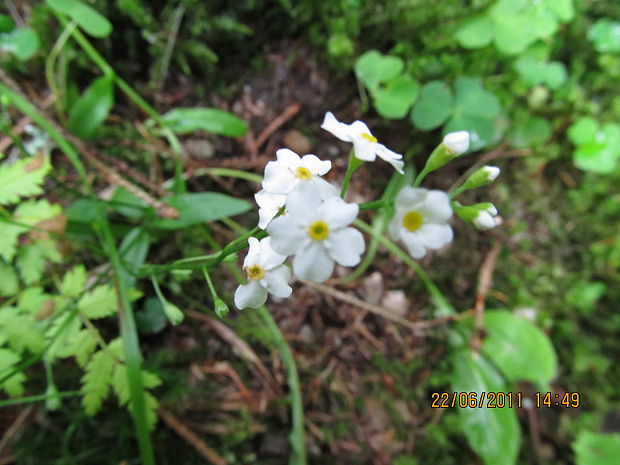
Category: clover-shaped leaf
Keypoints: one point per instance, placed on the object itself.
(552, 74)
(598, 147)
(433, 107)
(373, 68)
(606, 36)
(396, 97)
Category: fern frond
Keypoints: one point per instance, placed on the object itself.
(23, 178)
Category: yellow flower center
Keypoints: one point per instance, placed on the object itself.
(318, 230)
(412, 221)
(303, 173)
(369, 137)
(255, 272)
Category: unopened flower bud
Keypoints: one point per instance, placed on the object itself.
(482, 177)
(221, 309)
(457, 142)
(481, 215)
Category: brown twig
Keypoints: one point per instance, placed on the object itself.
(282, 118)
(485, 279)
(378, 310)
(192, 439)
(245, 350)
(15, 427)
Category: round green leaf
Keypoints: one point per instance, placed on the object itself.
(6, 24)
(583, 131)
(563, 9)
(519, 349)
(86, 17)
(606, 36)
(90, 111)
(595, 157)
(530, 132)
(513, 33)
(475, 33)
(472, 99)
(494, 433)
(21, 42)
(433, 107)
(186, 120)
(394, 100)
(373, 68)
(597, 449)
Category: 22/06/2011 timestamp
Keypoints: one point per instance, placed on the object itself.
(503, 399)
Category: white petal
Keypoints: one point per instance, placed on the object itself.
(269, 205)
(326, 190)
(435, 236)
(414, 244)
(253, 252)
(278, 179)
(286, 235)
(391, 157)
(269, 258)
(313, 263)
(457, 142)
(410, 197)
(492, 172)
(288, 158)
(345, 246)
(304, 199)
(251, 295)
(338, 129)
(436, 207)
(315, 165)
(484, 220)
(276, 281)
(365, 150)
(396, 225)
(337, 213)
(265, 215)
(358, 128)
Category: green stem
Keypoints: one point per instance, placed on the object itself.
(37, 398)
(353, 164)
(231, 173)
(50, 64)
(457, 191)
(205, 272)
(420, 177)
(374, 205)
(105, 68)
(131, 346)
(296, 437)
(443, 305)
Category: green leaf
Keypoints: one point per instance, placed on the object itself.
(394, 100)
(88, 114)
(21, 42)
(133, 250)
(197, 208)
(31, 262)
(373, 68)
(186, 120)
(14, 385)
(597, 449)
(73, 281)
(433, 107)
(584, 295)
(98, 303)
(152, 318)
(9, 282)
(519, 349)
(6, 24)
(475, 33)
(125, 203)
(87, 18)
(121, 388)
(21, 331)
(475, 110)
(529, 132)
(494, 433)
(583, 131)
(97, 380)
(563, 9)
(513, 33)
(23, 178)
(606, 36)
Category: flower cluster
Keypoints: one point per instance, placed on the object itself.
(307, 220)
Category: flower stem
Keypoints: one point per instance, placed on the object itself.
(420, 177)
(353, 164)
(444, 308)
(296, 437)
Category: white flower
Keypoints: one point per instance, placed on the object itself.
(269, 206)
(266, 274)
(457, 142)
(317, 234)
(365, 145)
(283, 175)
(486, 218)
(421, 220)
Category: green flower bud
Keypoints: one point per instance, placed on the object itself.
(482, 177)
(221, 309)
